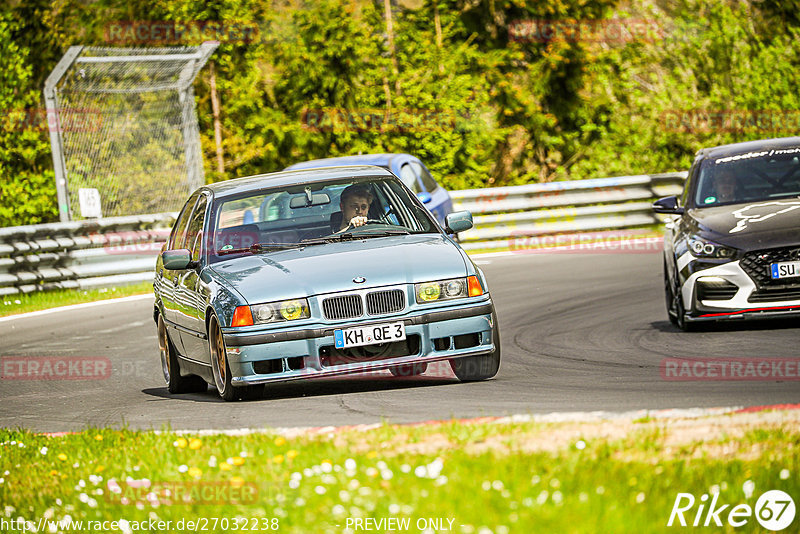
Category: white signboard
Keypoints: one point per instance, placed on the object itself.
(89, 199)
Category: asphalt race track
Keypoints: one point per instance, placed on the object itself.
(580, 332)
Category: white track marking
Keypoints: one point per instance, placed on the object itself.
(75, 307)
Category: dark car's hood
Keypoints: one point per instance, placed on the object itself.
(331, 267)
(756, 225)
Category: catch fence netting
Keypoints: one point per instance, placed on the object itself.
(126, 130)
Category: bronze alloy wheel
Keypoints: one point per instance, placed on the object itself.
(222, 369)
(219, 363)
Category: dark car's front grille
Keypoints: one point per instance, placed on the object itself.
(352, 305)
(757, 264)
(381, 302)
(344, 307)
(775, 294)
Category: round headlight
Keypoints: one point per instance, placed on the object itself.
(454, 288)
(708, 248)
(697, 247)
(429, 291)
(263, 314)
(292, 309)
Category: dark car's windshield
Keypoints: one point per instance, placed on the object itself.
(311, 214)
(751, 177)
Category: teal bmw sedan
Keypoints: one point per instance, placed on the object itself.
(315, 273)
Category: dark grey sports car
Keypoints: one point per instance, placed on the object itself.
(732, 251)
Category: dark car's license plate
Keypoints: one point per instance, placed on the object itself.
(785, 269)
(369, 335)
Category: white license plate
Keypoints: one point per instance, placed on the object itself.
(785, 269)
(369, 335)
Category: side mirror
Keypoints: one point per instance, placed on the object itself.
(176, 260)
(458, 221)
(667, 205)
(425, 197)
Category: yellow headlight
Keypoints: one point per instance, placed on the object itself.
(429, 291)
(292, 309)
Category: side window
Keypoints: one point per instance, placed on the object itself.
(194, 232)
(690, 180)
(427, 180)
(176, 237)
(409, 177)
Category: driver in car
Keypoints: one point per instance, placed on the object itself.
(354, 203)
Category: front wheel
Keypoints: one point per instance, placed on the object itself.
(482, 367)
(675, 310)
(221, 369)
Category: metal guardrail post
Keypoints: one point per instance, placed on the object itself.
(54, 125)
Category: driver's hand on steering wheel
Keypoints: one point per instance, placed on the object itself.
(358, 221)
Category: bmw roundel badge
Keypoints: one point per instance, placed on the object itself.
(359, 279)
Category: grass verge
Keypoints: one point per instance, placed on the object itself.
(23, 303)
(471, 477)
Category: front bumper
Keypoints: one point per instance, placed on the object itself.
(739, 306)
(245, 351)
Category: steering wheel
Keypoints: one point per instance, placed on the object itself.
(368, 221)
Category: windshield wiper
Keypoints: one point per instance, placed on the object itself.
(260, 247)
(333, 238)
(384, 233)
(349, 236)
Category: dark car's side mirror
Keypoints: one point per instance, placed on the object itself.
(667, 205)
(458, 221)
(424, 197)
(176, 260)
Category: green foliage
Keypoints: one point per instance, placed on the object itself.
(25, 166)
(479, 107)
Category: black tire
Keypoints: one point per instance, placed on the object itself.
(222, 380)
(485, 366)
(669, 296)
(171, 367)
(219, 362)
(675, 310)
(409, 369)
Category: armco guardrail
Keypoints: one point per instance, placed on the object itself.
(504, 215)
(81, 254)
(119, 250)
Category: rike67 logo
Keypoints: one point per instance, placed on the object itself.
(774, 510)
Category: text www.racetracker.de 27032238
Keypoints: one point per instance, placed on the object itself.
(199, 524)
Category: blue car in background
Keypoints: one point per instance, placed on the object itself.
(411, 171)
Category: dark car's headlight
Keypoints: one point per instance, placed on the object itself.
(703, 248)
(454, 288)
(271, 312)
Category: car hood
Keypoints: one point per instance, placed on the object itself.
(756, 225)
(332, 267)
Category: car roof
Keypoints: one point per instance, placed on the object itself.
(247, 184)
(749, 146)
(381, 160)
